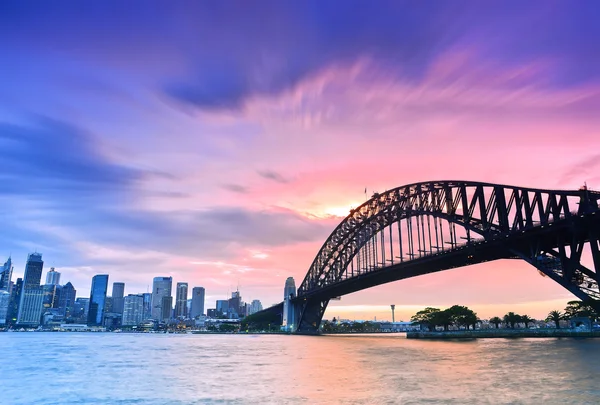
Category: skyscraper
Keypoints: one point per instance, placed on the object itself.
(97, 299)
(197, 308)
(166, 307)
(147, 306)
(161, 287)
(52, 277)
(4, 304)
(32, 296)
(255, 306)
(5, 275)
(133, 310)
(66, 300)
(181, 300)
(15, 300)
(290, 288)
(118, 292)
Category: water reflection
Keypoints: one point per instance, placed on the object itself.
(378, 369)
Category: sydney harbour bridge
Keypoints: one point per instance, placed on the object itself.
(432, 226)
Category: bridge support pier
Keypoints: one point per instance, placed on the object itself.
(309, 315)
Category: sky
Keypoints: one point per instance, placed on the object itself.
(220, 142)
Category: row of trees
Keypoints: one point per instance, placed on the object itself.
(456, 315)
(462, 316)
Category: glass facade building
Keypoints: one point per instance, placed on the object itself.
(118, 292)
(161, 288)
(32, 296)
(5, 275)
(197, 308)
(52, 277)
(133, 310)
(181, 300)
(97, 300)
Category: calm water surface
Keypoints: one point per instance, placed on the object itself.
(105, 368)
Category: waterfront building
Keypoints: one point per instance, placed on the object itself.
(52, 277)
(147, 306)
(161, 287)
(66, 300)
(181, 300)
(235, 305)
(133, 310)
(97, 300)
(32, 296)
(222, 307)
(81, 308)
(5, 276)
(15, 300)
(166, 308)
(212, 313)
(51, 292)
(4, 303)
(255, 306)
(118, 292)
(197, 308)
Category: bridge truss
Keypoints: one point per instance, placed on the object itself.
(432, 226)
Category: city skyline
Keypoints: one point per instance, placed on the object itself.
(229, 162)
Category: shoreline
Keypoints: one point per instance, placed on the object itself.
(503, 334)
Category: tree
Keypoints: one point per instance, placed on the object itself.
(496, 321)
(556, 317)
(511, 319)
(576, 309)
(425, 318)
(462, 316)
(526, 319)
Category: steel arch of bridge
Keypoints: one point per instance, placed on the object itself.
(547, 228)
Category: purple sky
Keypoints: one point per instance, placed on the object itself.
(221, 142)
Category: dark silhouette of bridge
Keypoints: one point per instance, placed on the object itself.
(439, 225)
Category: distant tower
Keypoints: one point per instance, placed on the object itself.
(52, 277)
(5, 275)
(32, 295)
(118, 302)
(197, 308)
(161, 287)
(181, 300)
(97, 300)
(393, 318)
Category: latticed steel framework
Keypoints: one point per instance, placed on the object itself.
(426, 227)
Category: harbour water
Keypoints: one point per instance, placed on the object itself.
(109, 368)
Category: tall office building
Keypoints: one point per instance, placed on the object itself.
(222, 307)
(5, 275)
(181, 300)
(4, 304)
(51, 296)
(161, 287)
(118, 292)
(32, 296)
(15, 300)
(81, 308)
(197, 308)
(256, 306)
(133, 310)
(66, 300)
(97, 300)
(147, 306)
(290, 288)
(166, 307)
(52, 277)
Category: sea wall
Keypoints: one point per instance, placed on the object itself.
(501, 333)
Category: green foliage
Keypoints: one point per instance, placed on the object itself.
(575, 309)
(496, 321)
(511, 319)
(526, 319)
(261, 321)
(556, 317)
(457, 315)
